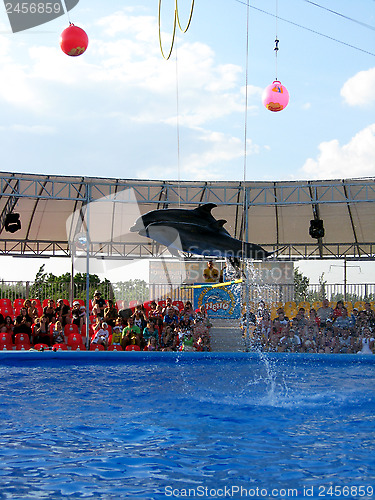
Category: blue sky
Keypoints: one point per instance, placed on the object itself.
(112, 112)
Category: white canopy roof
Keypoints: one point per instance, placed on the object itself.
(54, 214)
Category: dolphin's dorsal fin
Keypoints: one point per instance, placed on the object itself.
(205, 209)
(219, 223)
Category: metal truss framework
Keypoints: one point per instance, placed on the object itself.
(278, 206)
(189, 193)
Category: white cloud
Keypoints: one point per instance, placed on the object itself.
(124, 60)
(212, 153)
(141, 27)
(122, 83)
(354, 159)
(217, 148)
(359, 89)
(206, 107)
(18, 89)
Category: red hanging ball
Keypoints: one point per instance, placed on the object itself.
(74, 41)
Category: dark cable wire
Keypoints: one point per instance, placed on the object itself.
(309, 29)
(342, 15)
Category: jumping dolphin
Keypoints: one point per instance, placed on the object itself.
(208, 240)
(201, 216)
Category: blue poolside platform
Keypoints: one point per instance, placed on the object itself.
(176, 357)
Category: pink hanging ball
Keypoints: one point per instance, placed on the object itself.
(74, 41)
(275, 97)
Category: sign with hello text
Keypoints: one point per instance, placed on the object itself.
(28, 14)
(219, 302)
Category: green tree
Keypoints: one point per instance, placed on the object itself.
(301, 286)
(54, 287)
(132, 290)
(38, 287)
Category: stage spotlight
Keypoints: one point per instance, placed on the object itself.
(316, 229)
(12, 223)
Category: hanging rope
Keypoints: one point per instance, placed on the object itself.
(67, 12)
(276, 49)
(246, 104)
(245, 268)
(178, 132)
(176, 22)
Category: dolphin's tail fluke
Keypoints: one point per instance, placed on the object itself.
(276, 252)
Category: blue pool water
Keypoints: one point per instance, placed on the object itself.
(191, 425)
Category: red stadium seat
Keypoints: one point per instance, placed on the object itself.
(7, 311)
(17, 310)
(6, 342)
(120, 304)
(78, 347)
(59, 347)
(5, 337)
(75, 342)
(18, 303)
(22, 347)
(133, 348)
(70, 328)
(179, 304)
(83, 330)
(115, 348)
(6, 347)
(41, 347)
(22, 338)
(5, 303)
(96, 347)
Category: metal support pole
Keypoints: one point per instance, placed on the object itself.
(87, 219)
(71, 291)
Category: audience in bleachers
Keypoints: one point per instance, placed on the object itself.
(78, 314)
(22, 325)
(41, 334)
(176, 326)
(131, 335)
(58, 336)
(101, 335)
(50, 310)
(327, 330)
(324, 312)
(62, 312)
(110, 313)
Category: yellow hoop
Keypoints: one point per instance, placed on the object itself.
(176, 21)
(190, 16)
